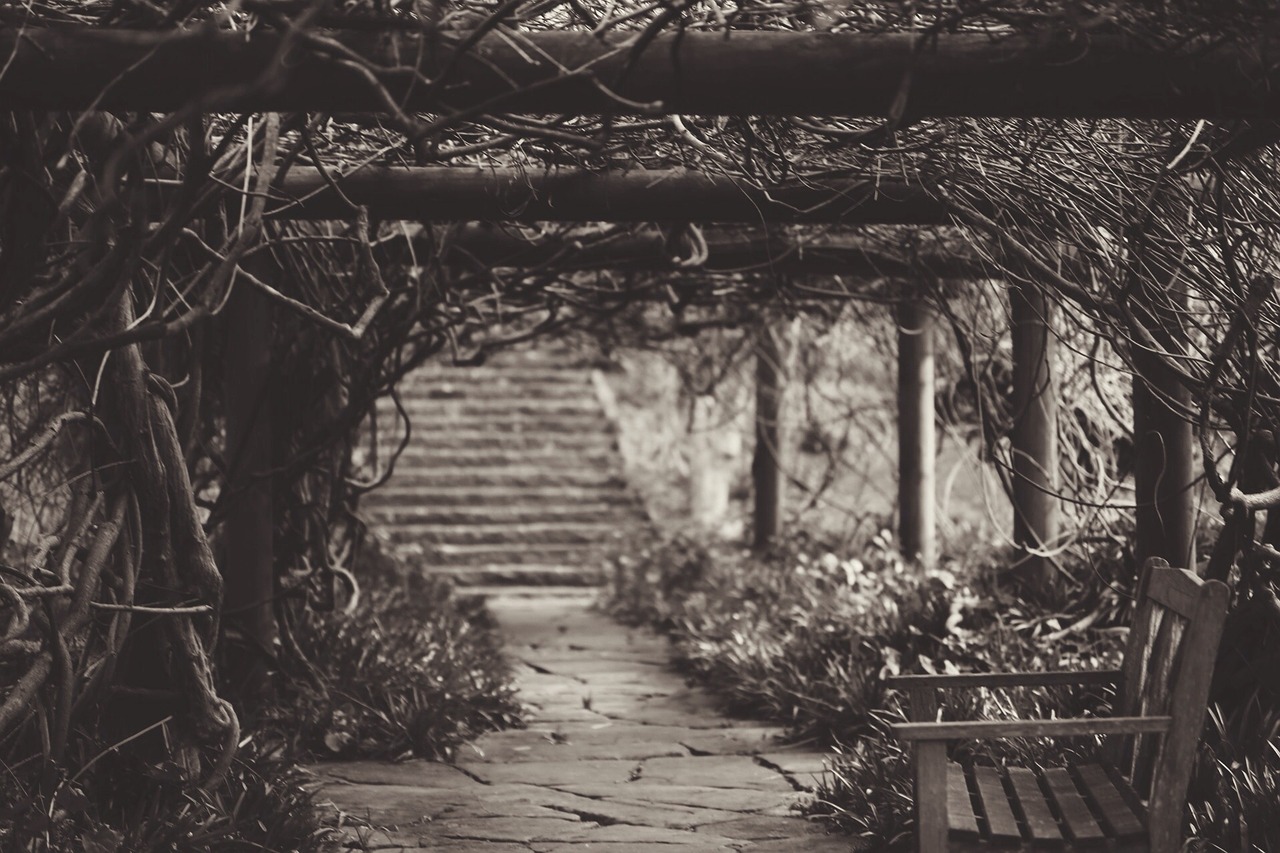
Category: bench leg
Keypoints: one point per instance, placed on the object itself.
(931, 796)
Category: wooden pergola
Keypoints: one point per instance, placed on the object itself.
(1061, 75)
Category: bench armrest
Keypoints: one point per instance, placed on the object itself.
(1002, 729)
(1004, 679)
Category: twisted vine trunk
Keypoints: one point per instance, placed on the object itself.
(177, 564)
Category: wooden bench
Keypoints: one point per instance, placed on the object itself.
(1133, 799)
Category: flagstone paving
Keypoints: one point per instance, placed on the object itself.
(620, 755)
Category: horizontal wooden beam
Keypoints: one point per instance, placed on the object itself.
(1052, 75)
(747, 251)
(461, 194)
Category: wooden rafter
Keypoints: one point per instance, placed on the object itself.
(460, 194)
(742, 250)
(1054, 75)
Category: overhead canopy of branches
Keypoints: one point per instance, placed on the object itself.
(158, 158)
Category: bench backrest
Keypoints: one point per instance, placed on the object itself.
(1167, 670)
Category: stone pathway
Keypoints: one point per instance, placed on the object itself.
(620, 755)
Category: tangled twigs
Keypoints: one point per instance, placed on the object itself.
(68, 623)
(41, 444)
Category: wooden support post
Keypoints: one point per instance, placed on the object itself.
(1164, 466)
(917, 441)
(248, 556)
(1035, 435)
(766, 473)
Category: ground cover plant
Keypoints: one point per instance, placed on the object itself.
(803, 636)
(405, 669)
(410, 670)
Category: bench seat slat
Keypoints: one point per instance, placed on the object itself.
(1118, 817)
(1035, 811)
(962, 823)
(1002, 826)
(1078, 820)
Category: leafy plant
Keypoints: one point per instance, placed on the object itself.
(412, 670)
(805, 636)
(127, 805)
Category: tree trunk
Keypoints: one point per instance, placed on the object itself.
(1035, 436)
(917, 440)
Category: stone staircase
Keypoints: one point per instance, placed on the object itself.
(512, 477)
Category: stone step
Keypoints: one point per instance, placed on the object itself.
(585, 594)
(541, 457)
(535, 533)
(545, 374)
(437, 392)
(532, 513)
(527, 581)
(506, 496)
(475, 439)
(506, 475)
(505, 423)
(474, 407)
(499, 553)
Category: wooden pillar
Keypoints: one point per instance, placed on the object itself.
(247, 565)
(766, 472)
(1164, 469)
(917, 440)
(1035, 435)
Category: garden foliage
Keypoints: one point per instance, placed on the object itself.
(804, 636)
(407, 669)
(412, 670)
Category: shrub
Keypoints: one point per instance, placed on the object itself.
(797, 634)
(805, 637)
(1232, 804)
(410, 671)
(121, 804)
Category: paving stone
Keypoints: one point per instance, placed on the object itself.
(693, 709)
(457, 845)
(762, 828)
(746, 740)
(522, 830)
(587, 666)
(539, 684)
(804, 768)
(567, 714)
(611, 810)
(553, 773)
(832, 843)
(424, 774)
(728, 799)
(622, 833)
(629, 847)
(514, 799)
(610, 742)
(713, 771)
(399, 842)
(655, 654)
